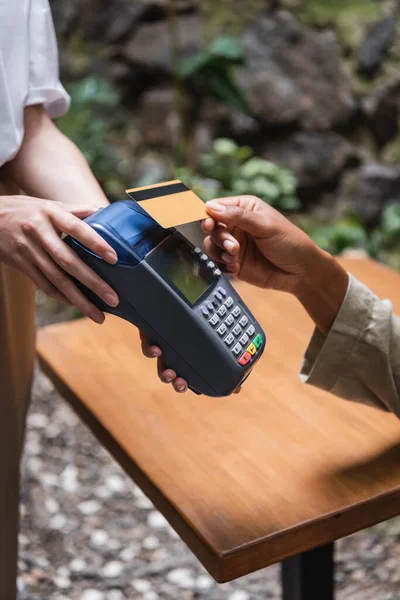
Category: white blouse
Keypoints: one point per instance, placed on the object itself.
(28, 69)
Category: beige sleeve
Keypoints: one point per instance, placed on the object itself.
(360, 358)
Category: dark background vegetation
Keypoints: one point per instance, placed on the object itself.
(312, 86)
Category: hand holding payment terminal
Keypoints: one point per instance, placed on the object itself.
(177, 296)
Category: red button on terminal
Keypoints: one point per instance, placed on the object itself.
(244, 359)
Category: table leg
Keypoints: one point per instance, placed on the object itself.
(309, 576)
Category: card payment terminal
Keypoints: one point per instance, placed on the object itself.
(177, 296)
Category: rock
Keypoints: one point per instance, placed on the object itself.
(78, 565)
(58, 521)
(382, 112)
(99, 537)
(92, 595)
(151, 542)
(158, 116)
(116, 484)
(377, 186)
(239, 595)
(52, 505)
(372, 50)
(62, 582)
(155, 520)
(110, 21)
(183, 578)
(204, 582)
(316, 159)
(293, 74)
(69, 478)
(90, 507)
(150, 596)
(113, 569)
(150, 47)
(129, 553)
(141, 585)
(115, 595)
(38, 420)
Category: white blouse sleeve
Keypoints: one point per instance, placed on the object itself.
(44, 84)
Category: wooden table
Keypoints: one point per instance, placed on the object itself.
(249, 480)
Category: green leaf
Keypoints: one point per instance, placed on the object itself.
(258, 166)
(391, 221)
(288, 203)
(222, 87)
(260, 186)
(228, 48)
(225, 147)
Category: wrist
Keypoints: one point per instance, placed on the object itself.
(323, 289)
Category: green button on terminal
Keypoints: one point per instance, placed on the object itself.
(258, 340)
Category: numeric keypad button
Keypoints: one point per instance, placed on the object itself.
(222, 311)
(236, 311)
(222, 329)
(229, 340)
(244, 339)
(229, 302)
(214, 320)
(237, 349)
(237, 330)
(243, 321)
(250, 330)
(229, 320)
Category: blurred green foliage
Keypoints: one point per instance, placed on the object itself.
(210, 73)
(349, 232)
(237, 171)
(95, 123)
(228, 16)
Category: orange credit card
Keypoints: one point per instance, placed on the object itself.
(170, 203)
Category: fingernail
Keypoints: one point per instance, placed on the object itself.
(111, 299)
(215, 206)
(227, 258)
(166, 379)
(228, 245)
(111, 257)
(156, 353)
(181, 388)
(97, 317)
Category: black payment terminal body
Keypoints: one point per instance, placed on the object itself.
(177, 296)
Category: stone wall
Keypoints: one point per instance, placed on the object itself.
(321, 79)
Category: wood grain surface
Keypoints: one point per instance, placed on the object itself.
(247, 480)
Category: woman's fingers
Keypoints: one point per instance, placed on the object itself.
(73, 265)
(42, 283)
(67, 222)
(62, 282)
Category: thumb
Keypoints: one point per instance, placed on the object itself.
(248, 213)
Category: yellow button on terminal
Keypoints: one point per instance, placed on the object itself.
(251, 349)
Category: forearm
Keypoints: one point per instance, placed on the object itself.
(48, 165)
(323, 290)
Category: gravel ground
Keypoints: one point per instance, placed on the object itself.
(88, 533)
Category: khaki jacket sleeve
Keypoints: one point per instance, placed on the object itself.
(360, 358)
